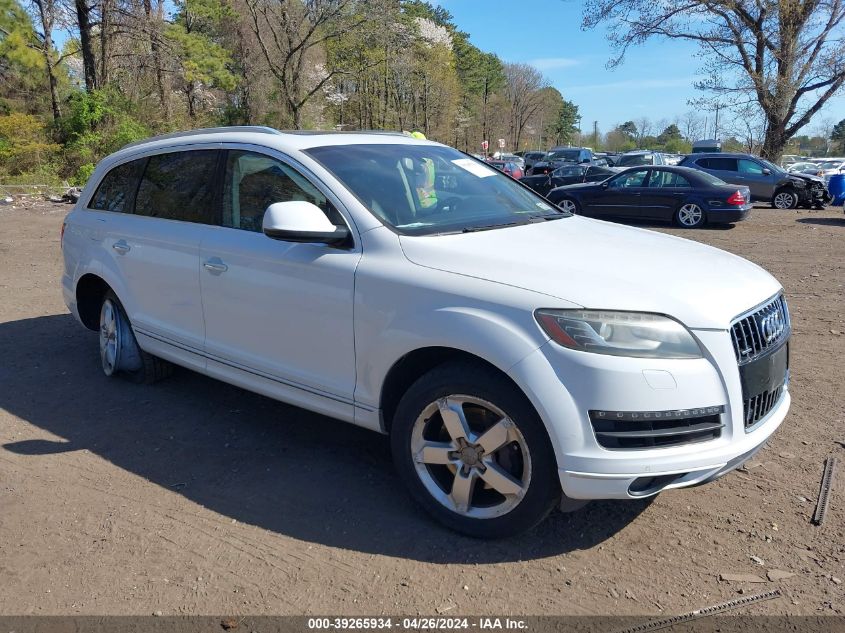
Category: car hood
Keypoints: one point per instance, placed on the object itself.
(597, 264)
(805, 177)
(578, 185)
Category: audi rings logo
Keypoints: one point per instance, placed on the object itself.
(771, 326)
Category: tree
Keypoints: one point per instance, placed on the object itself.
(523, 84)
(203, 61)
(565, 127)
(838, 134)
(288, 31)
(629, 129)
(47, 13)
(785, 55)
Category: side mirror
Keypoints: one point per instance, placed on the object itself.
(605, 184)
(767, 171)
(301, 221)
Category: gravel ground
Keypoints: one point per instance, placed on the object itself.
(194, 497)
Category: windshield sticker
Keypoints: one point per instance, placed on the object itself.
(544, 206)
(477, 169)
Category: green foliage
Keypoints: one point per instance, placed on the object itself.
(83, 174)
(838, 134)
(24, 145)
(202, 60)
(629, 128)
(96, 124)
(194, 35)
(565, 128)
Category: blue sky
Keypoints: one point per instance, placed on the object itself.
(656, 80)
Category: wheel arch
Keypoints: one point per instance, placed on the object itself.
(413, 365)
(90, 290)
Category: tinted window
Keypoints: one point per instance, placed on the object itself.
(722, 164)
(667, 180)
(569, 171)
(571, 155)
(254, 181)
(630, 179)
(117, 188)
(179, 186)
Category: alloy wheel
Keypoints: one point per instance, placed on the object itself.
(109, 337)
(785, 200)
(568, 205)
(471, 457)
(690, 215)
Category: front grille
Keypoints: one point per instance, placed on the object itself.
(757, 407)
(656, 429)
(763, 329)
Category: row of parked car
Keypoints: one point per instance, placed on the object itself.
(690, 190)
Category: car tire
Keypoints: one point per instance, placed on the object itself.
(690, 216)
(569, 204)
(119, 350)
(473, 452)
(785, 199)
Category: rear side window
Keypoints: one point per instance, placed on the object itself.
(667, 180)
(179, 186)
(117, 188)
(720, 164)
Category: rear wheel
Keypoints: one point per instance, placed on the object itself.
(785, 199)
(119, 351)
(474, 453)
(690, 216)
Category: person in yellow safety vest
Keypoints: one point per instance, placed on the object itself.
(425, 176)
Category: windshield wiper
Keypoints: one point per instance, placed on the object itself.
(487, 227)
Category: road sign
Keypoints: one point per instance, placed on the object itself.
(485, 144)
(501, 143)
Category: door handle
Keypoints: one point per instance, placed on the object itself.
(215, 265)
(121, 247)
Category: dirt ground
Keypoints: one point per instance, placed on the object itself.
(194, 497)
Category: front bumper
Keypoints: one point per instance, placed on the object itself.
(564, 385)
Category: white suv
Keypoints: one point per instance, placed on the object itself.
(517, 355)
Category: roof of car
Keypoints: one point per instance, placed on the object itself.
(270, 137)
(721, 155)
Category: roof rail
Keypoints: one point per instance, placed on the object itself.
(257, 129)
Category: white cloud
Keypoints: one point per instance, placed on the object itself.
(553, 63)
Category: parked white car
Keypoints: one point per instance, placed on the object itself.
(517, 355)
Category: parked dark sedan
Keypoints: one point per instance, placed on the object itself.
(568, 175)
(688, 197)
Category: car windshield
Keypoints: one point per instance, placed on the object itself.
(430, 189)
(570, 155)
(632, 160)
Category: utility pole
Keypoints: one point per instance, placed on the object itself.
(716, 127)
(595, 135)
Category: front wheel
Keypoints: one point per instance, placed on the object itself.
(569, 205)
(474, 453)
(690, 216)
(785, 199)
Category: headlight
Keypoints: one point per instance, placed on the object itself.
(636, 334)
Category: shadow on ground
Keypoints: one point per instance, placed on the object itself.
(248, 457)
(824, 221)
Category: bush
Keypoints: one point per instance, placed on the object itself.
(83, 174)
(24, 146)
